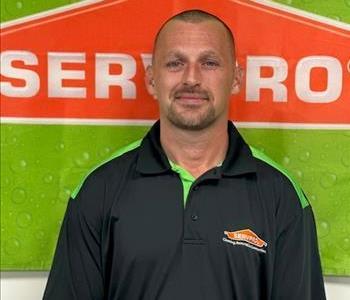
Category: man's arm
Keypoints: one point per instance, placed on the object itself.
(297, 271)
(76, 271)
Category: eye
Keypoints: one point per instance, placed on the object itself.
(210, 64)
(174, 64)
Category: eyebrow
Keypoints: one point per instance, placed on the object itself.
(175, 54)
(210, 54)
(204, 54)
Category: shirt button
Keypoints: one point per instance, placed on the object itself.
(194, 217)
(196, 188)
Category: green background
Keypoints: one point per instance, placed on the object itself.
(41, 165)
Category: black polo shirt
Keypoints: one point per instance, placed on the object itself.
(246, 232)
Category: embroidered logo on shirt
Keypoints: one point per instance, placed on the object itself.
(247, 238)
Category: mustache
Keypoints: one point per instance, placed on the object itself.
(188, 90)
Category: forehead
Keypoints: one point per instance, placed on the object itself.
(206, 35)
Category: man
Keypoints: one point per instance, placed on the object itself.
(189, 212)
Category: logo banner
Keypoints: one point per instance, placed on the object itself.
(96, 72)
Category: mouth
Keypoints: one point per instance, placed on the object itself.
(191, 98)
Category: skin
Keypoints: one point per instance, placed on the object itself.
(193, 76)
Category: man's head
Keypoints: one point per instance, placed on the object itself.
(193, 70)
(196, 16)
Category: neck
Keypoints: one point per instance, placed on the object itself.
(195, 151)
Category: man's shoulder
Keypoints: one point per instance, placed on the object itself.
(119, 161)
(272, 173)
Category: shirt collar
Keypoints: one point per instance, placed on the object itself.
(239, 159)
(153, 160)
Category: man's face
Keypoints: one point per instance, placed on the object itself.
(193, 74)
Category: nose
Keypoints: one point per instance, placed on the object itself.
(192, 75)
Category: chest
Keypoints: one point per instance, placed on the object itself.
(222, 215)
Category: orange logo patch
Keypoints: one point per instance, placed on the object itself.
(247, 236)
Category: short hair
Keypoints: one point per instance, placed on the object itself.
(196, 16)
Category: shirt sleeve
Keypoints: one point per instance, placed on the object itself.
(297, 271)
(76, 271)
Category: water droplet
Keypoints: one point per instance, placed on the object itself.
(328, 180)
(343, 230)
(286, 160)
(24, 219)
(299, 174)
(48, 178)
(40, 234)
(64, 195)
(19, 4)
(104, 152)
(83, 159)
(304, 156)
(11, 9)
(313, 198)
(12, 246)
(323, 229)
(19, 196)
(332, 195)
(19, 166)
(60, 147)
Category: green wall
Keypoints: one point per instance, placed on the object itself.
(41, 165)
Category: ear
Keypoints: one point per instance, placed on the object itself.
(149, 81)
(237, 80)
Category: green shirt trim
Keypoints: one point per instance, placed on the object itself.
(115, 154)
(186, 178)
(260, 155)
